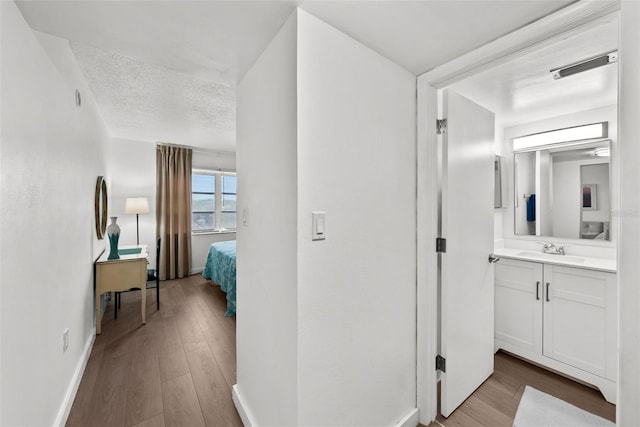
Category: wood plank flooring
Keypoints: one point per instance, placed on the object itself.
(495, 402)
(177, 370)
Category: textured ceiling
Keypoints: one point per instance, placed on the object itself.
(138, 100)
(166, 70)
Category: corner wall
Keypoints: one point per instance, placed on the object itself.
(357, 288)
(267, 296)
(326, 330)
(52, 154)
(628, 410)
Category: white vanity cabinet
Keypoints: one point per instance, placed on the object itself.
(518, 305)
(560, 317)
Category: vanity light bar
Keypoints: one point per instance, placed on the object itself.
(585, 65)
(577, 133)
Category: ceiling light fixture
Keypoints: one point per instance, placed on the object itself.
(588, 64)
(567, 136)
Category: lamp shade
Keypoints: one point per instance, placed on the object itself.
(136, 205)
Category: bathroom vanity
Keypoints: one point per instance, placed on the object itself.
(559, 311)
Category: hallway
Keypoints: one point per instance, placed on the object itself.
(162, 373)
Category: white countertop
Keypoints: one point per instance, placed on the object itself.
(592, 263)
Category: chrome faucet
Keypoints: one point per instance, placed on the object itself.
(552, 248)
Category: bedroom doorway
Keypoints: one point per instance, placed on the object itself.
(214, 223)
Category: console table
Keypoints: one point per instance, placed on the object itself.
(118, 275)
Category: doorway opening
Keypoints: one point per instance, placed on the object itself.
(526, 99)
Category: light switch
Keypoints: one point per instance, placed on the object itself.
(245, 216)
(319, 225)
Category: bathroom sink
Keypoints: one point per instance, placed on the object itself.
(551, 257)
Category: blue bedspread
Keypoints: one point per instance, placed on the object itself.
(221, 268)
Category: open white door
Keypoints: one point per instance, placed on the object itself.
(467, 225)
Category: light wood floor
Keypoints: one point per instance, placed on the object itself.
(177, 370)
(495, 402)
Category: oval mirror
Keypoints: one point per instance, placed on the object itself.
(101, 207)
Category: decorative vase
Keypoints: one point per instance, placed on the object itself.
(113, 231)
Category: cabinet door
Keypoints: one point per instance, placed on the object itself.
(580, 319)
(518, 304)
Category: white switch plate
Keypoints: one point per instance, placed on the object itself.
(65, 340)
(318, 225)
(245, 216)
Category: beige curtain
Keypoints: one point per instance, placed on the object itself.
(173, 210)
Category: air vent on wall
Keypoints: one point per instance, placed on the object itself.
(579, 67)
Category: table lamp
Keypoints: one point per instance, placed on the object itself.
(136, 205)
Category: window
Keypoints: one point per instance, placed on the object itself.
(228, 211)
(203, 202)
(213, 201)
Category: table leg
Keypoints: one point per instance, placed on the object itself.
(143, 291)
(98, 319)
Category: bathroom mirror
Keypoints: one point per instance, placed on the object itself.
(101, 207)
(564, 192)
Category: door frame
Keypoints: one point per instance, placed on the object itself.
(572, 18)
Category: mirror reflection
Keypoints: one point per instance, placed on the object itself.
(564, 192)
(498, 181)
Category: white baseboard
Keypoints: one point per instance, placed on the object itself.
(412, 419)
(69, 397)
(196, 271)
(241, 406)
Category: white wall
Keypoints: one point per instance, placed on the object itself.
(133, 174)
(544, 196)
(598, 174)
(326, 330)
(52, 154)
(267, 320)
(628, 410)
(505, 185)
(567, 199)
(356, 289)
(213, 160)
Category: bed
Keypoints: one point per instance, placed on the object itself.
(221, 268)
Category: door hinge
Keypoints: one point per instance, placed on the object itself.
(441, 126)
(441, 245)
(441, 363)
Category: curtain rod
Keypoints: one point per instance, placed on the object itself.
(196, 149)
